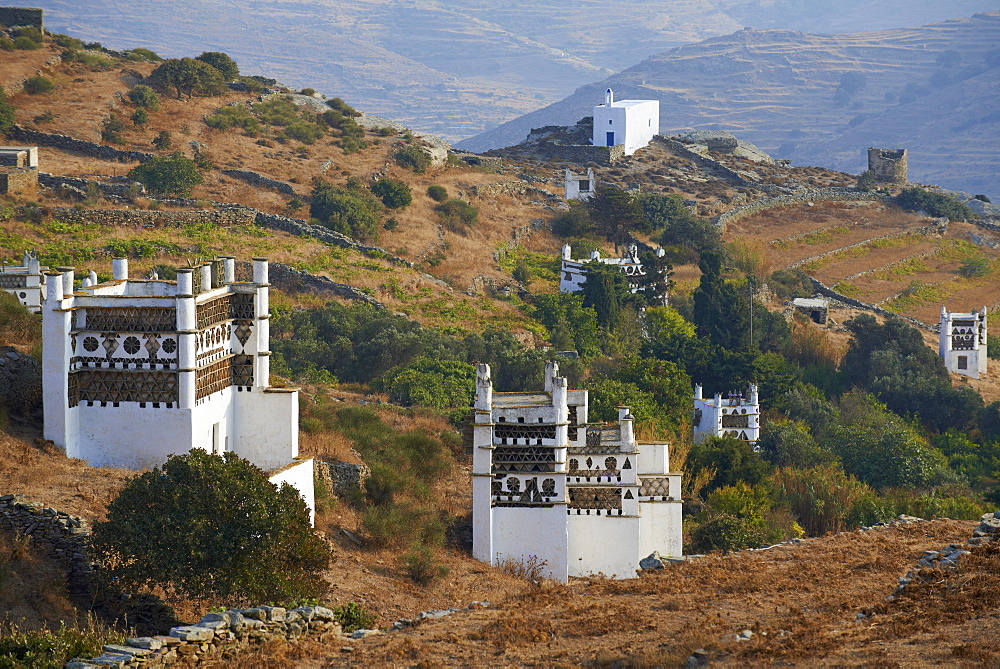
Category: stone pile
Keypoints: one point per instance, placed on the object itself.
(949, 556)
(216, 633)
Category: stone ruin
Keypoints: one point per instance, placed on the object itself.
(888, 165)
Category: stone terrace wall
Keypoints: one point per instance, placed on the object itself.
(18, 181)
(572, 153)
(819, 195)
(826, 291)
(255, 179)
(67, 143)
(59, 535)
(288, 278)
(217, 633)
(122, 188)
(301, 228)
(137, 218)
(508, 188)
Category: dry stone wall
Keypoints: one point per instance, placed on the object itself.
(259, 180)
(20, 382)
(826, 291)
(800, 197)
(120, 186)
(291, 279)
(135, 218)
(59, 535)
(578, 153)
(67, 143)
(18, 181)
(216, 634)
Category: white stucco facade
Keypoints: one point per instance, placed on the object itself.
(630, 122)
(962, 342)
(135, 371)
(553, 490)
(734, 416)
(26, 282)
(577, 187)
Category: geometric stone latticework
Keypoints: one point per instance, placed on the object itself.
(241, 306)
(655, 487)
(525, 459)
(129, 319)
(513, 433)
(236, 370)
(595, 498)
(212, 312)
(100, 385)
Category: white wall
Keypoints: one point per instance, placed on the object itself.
(268, 433)
(661, 529)
(129, 437)
(301, 477)
(522, 532)
(603, 545)
(634, 122)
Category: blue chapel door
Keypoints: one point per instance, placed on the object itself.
(611, 139)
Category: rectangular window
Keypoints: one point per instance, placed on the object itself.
(963, 362)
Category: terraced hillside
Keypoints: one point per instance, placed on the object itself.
(880, 255)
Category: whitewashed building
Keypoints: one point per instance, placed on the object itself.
(630, 122)
(962, 342)
(26, 282)
(575, 499)
(572, 272)
(137, 370)
(733, 416)
(579, 187)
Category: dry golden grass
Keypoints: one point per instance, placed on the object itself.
(33, 588)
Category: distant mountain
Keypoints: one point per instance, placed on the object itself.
(824, 99)
(456, 67)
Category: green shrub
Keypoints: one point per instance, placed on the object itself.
(935, 204)
(975, 267)
(394, 194)
(168, 175)
(7, 112)
(421, 566)
(211, 526)
(23, 43)
(413, 157)
(340, 106)
(303, 131)
(6, 44)
(144, 97)
(353, 617)
(277, 111)
(112, 128)
(456, 213)
(225, 118)
(825, 499)
(350, 212)
(435, 383)
(147, 54)
(52, 649)
(30, 32)
(140, 117)
(437, 193)
(163, 141)
(38, 84)
(223, 63)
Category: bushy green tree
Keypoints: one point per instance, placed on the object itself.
(606, 395)
(352, 212)
(721, 312)
(866, 181)
(607, 291)
(212, 527)
(575, 222)
(615, 213)
(790, 444)
(145, 97)
(226, 66)
(441, 384)
(394, 194)
(188, 76)
(571, 325)
(732, 460)
(879, 448)
(168, 175)
(742, 516)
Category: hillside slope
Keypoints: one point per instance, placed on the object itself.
(454, 68)
(931, 90)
